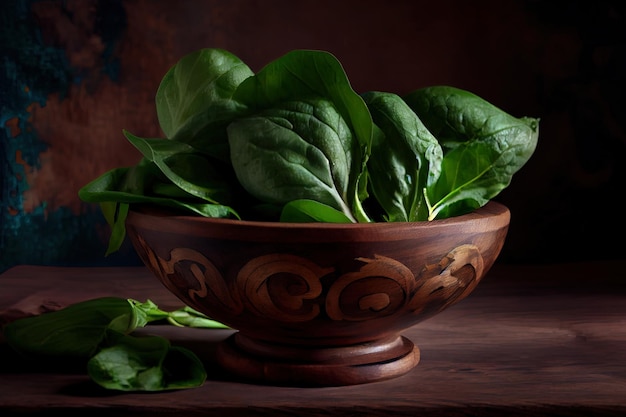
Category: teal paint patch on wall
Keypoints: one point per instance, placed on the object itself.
(30, 72)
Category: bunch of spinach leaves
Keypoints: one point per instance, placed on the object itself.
(295, 143)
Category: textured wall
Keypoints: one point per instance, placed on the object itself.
(74, 73)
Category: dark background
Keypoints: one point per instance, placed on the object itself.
(74, 73)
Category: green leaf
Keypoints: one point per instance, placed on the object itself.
(189, 317)
(195, 99)
(142, 184)
(305, 74)
(74, 331)
(185, 167)
(469, 179)
(117, 186)
(483, 147)
(147, 363)
(306, 211)
(118, 228)
(109, 210)
(405, 159)
(185, 316)
(148, 311)
(298, 150)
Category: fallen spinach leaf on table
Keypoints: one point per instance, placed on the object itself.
(189, 317)
(147, 363)
(98, 334)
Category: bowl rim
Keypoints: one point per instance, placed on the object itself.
(490, 210)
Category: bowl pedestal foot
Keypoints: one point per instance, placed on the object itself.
(298, 365)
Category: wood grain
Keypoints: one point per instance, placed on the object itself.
(532, 340)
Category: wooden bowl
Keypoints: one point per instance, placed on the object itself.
(318, 304)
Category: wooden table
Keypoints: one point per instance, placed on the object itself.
(531, 340)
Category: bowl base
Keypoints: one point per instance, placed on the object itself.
(289, 365)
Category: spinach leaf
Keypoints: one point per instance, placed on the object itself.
(189, 317)
(305, 74)
(115, 214)
(143, 183)
(483, 147)
(185, 167)
(195, 102)
(306, 211)
(405, 158)
(74, 331)
(147, 363)
(297, 150)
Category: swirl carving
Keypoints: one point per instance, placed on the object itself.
(378, 288)
(188, 269)
(450, 280)
(297, 279)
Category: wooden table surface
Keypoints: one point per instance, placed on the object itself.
(544, 340)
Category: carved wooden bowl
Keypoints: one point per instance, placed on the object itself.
(319, 304)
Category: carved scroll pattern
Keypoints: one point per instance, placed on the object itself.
(198, 278)
(290, 288)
